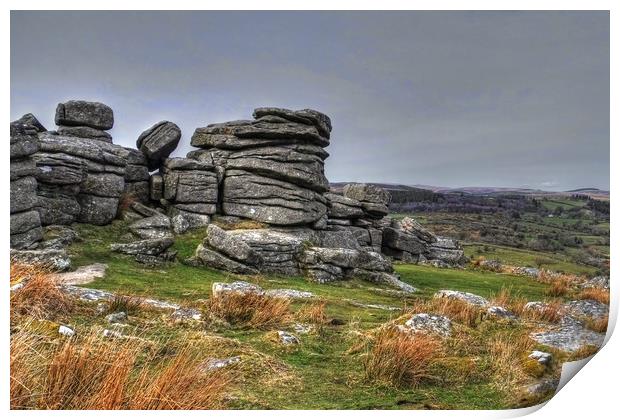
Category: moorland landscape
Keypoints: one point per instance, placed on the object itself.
(239, 277)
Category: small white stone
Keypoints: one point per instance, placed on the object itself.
(66, 331)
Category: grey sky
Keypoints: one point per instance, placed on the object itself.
(517, 99)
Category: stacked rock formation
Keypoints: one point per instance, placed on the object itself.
(269, 169)
(80, 172)
(361, 210)
(26, 229)
(266, 173)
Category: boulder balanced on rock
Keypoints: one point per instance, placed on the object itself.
(158, 142)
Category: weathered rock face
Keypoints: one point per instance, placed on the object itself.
(136, 175)
(158, 142)
(79, 179)
(408, 241)
(82, 113)
(190, 187)
(25, 222)
(270, 169)
(374, 200)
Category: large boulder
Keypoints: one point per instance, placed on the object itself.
(341, 207)
(283, 163)
(158, 141)
(26, 229)
(230, 245)
(82, 113)
(190, 186)
(153, 227)
(269, 200)
(32, 121)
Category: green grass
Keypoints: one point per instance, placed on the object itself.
(321, 373)
(486, 284)
(527, 258)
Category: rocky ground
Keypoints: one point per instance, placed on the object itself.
(496, 349)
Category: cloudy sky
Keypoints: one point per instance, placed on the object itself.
(514, 99)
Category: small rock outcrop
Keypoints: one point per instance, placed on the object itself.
(429, 323)
(408, 241)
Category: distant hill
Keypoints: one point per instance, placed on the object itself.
(418, 189)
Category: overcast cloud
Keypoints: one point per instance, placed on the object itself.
(516, 99)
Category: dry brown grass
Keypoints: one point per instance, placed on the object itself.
(250, 310)
(399, 358)
(584, 352)
(552, 312)
(313, 313)
(598, 325)
(595, 293)
(506, 299)
(95, 373)
(557, 288)
(454, 309)
(124, 303)
(40, 296)
(508, 358)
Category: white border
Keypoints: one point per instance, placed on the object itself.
(592, 395)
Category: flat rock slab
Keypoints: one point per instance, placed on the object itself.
(82, 275)
(94, 295)
(587, 308)
(466, 297)
(243, 287)
(569, 336)
(429, 323)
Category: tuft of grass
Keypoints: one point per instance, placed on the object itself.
(123, 303)
(400, 359)
(241, 224)
(508, 359)
(125, 202)
(584, 351)
(40, 296)
(95, 374)
(595, 293)
(313, 313)
(552, 313)
(250, 310)
(598, 325)
(454, 309)
(506, 299)
(557, 288)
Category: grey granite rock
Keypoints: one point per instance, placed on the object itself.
(158, 141)
(83, 113)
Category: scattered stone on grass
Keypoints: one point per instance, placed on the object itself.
(462, 296)
(82, 275)
(541, 357)
(428, 323)
(287, 338)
